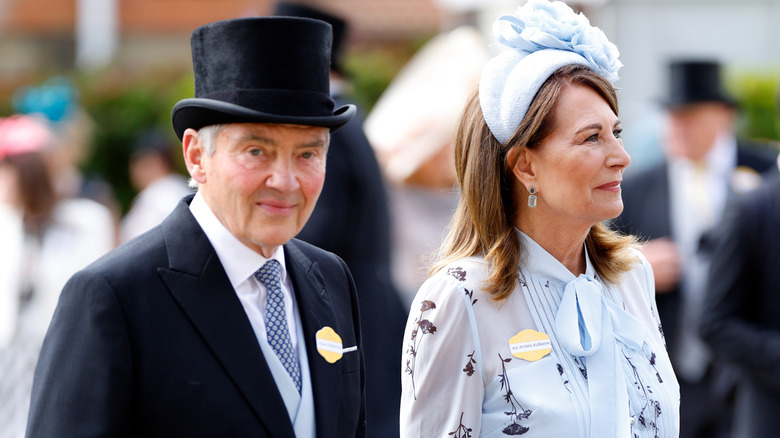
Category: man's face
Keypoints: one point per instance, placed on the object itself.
(694, 128)
(262, 181)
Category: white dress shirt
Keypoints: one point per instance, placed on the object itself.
(689, 222)
(240, 264)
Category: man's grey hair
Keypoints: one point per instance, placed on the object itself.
(208, 138)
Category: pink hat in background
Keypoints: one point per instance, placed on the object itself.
(21, 134)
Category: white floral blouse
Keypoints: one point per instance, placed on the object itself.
(604, 372)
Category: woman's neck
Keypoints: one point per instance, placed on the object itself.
(562, 241)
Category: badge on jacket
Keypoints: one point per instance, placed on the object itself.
(329, 345)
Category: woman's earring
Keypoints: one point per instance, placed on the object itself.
(532, 197)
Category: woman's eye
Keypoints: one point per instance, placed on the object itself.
(617, 133)
(593, 137)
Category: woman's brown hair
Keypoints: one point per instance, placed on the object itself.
(483, 222)
(36, 191)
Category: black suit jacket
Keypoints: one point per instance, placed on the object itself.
(152, 341)
(351, 219)
(647, 214)
(741, 320)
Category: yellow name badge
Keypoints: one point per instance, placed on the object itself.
(530, 345)
(329, 345)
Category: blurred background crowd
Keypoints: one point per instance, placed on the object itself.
(88, 159)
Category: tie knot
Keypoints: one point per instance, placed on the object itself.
(269, 274)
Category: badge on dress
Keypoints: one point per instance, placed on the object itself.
(530, 345)
(329, 345)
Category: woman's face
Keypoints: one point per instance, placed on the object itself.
(577, 170)
(9, 185)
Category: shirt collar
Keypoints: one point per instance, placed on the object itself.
(723, 156)
(239, 261)
(541, 263)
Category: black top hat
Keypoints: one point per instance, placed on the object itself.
(339, 26)
(695, 82)
(261, 70)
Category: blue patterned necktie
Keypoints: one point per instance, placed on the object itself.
(276, 320)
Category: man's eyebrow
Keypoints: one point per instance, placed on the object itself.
(318, 143)
(257, 138)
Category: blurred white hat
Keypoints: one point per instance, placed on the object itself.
(418, 113)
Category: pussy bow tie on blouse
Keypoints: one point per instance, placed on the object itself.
(589, 325)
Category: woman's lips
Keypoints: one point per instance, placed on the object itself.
(613, 186)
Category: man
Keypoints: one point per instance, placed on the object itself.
(351, 219)
(218, 322)
(152, 171)
(674, 205)
(741, 318)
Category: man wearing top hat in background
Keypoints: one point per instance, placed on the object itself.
(675, 205)
(218, 322)
(351, 219)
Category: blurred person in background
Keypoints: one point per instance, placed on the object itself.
(351, 219)
(152, 170)
(58, 101)
(46, 239)
(538, 320)
(741, 313)
(411, 128)
(674, 205)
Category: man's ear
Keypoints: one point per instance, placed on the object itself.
(523, 168)
(194, 155)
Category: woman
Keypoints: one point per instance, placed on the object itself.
(539, 320)
(44, 239)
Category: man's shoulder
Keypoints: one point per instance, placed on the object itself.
(311, 252)
(757, 155)
(133, 257)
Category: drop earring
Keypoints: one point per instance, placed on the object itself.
(532, 197)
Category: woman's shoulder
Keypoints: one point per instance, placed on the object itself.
(454, 281)
(640, 273)
(470, 271)
(637, 291)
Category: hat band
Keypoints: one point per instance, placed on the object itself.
(297, 103)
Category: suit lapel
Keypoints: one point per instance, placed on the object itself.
(197, 281)
(316, 312)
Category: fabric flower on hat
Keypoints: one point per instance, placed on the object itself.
(542, 36)
(541, 24)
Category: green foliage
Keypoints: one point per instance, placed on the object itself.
(122, 107)
(757, 96)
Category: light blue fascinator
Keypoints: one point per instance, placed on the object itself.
(541, 37)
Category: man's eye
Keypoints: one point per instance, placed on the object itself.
(256, 152)
(308, 155)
